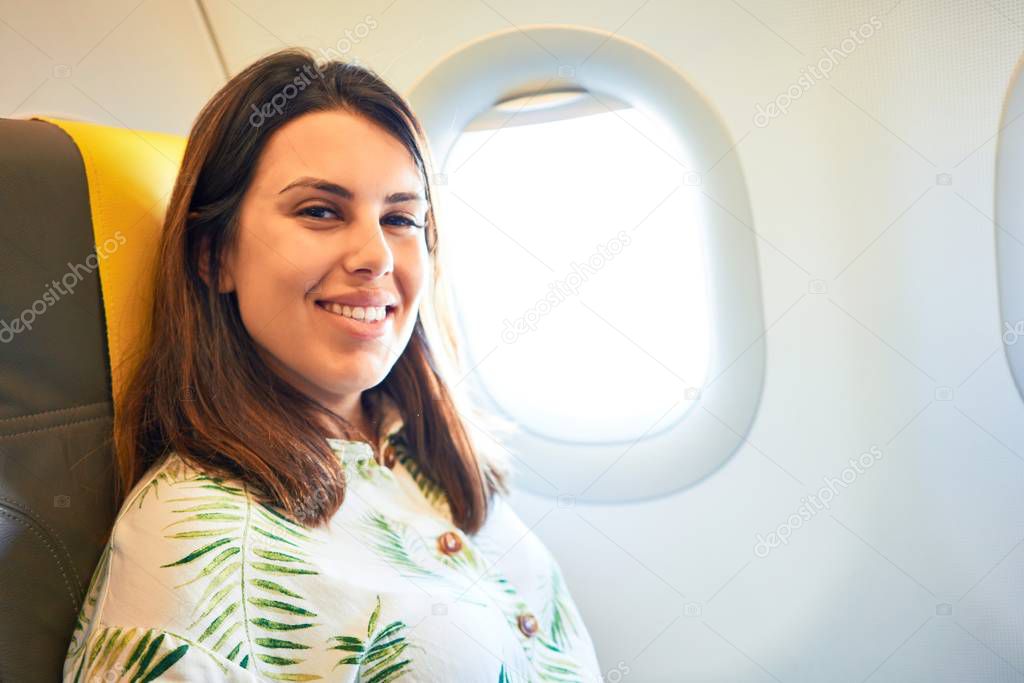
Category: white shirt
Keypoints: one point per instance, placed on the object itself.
(199, 581)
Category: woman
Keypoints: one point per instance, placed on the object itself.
(304, 499)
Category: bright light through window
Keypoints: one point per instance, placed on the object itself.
(575, 253)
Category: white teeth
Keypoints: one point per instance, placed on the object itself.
(367, 314)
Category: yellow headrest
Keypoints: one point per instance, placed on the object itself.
(130, 175)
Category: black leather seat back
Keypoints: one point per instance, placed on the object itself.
(56, 465)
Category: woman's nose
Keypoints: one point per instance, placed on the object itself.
(368, 251)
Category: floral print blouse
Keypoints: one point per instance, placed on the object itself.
(200, 582)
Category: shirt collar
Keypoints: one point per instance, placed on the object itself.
(391, 422)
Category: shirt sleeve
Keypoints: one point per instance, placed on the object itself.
(117, 653)
(127, 628)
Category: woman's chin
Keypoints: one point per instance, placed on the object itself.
(357, 380)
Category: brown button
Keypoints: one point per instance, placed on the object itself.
(527, 624)
(449, 543)
(389, 458)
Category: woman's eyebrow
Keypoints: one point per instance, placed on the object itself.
(345, 193)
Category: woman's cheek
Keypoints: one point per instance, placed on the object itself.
(412, 263)
(271, 279)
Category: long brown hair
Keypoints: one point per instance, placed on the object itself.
(200, 389)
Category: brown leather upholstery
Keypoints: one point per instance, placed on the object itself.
(56, 467)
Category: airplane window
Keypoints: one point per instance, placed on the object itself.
(1009, 228)
(602, 254)
(573, 208)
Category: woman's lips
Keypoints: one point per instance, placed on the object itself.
(361, 329)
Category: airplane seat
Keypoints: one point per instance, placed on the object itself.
(82, 208)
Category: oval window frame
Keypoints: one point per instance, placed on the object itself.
(1009, 211)
(470, 80)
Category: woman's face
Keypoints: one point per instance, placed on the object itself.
(334, 212)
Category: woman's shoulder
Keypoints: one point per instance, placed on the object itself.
(174, 485)
(179, 513)
(179, 531)
(172, 489)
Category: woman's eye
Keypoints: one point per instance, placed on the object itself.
(317, 212)
(304, 212)
(405, 221)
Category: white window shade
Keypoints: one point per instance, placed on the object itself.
(534, 215)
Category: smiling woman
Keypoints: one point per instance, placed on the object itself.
(302, 497)
(303, 242)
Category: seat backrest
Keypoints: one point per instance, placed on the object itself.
(82, 206)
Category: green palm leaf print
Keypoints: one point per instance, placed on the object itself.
(395, 543)
(547, 655)
(406, 550)
(172, 470)
(560, 614)
(367, 469)
(85, 614)
(358, 459)
(376, 655)
(134, 655)
(250, 560)
(402, 547)
(551, 662)
(507, 674)
(430, 489)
